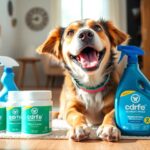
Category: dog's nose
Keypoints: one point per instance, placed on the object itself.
(86, 35)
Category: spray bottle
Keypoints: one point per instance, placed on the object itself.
(132, 100)
(7, 78)
(8, 83)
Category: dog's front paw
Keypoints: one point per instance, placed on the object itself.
(108, 133)
(79, 133)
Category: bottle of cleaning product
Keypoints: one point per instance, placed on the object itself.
(132, 100)
(8, 83)
(7, 78)
(13, 112)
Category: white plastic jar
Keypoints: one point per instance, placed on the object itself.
(36, 113)
(2, 116)
(13, 112)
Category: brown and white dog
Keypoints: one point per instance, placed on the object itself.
(87, 50)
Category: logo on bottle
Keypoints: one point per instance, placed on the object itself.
(14, 114)
(15, 111)
(135, 106)
(135, 98)
(34, 115)
(34, 111)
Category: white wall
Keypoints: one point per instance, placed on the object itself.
(8, 39)
(21, 41)
(28, 39)
(118, 13)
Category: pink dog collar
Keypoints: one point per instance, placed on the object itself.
(99, 88)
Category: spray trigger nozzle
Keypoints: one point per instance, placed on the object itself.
(8, 62)
(131, 51)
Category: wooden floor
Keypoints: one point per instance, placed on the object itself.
(70, 145)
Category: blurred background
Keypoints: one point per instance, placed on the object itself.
(24, 25)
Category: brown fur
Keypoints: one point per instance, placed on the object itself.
(70, 108)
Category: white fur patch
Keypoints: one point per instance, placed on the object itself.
(79, 133)
(108, 133)
(75, 46)
(94, 104)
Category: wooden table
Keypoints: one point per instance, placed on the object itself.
(23, 62)
(70, 145)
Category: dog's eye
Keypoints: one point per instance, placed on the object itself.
(97, 28)
(70, 32)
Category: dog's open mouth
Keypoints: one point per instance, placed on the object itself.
(89, 58)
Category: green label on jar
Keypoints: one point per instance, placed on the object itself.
(13, 119)
(2, 118)
(35, 120)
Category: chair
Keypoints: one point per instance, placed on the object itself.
(52, 70)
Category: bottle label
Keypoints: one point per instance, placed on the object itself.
(36, 119)
(13, 119)
(134, 112)
(2, 118)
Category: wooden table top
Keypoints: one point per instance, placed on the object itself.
(28, 59)
(34, 144)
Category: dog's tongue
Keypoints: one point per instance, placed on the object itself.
(88, 60)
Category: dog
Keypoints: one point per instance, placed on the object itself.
(87, 51)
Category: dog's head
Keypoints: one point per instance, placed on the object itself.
(85, 47)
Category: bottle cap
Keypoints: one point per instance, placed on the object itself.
(37, 95)
(14, 96)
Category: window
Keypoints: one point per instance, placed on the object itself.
(95, 9)
(70, 11)
(81, 9)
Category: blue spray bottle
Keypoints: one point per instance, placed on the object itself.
(132, 100)
(7, 78)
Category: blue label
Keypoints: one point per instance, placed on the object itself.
(134, 113)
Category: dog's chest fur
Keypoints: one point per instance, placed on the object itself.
(93, 104)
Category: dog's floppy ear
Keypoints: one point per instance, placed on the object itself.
(115, 35)
(52, 44)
